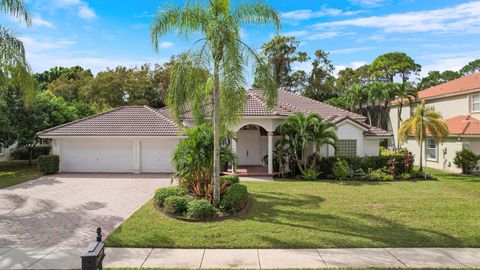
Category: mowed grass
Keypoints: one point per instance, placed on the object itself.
(327, 214)
(16, 172)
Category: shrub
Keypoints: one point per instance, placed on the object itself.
(378, 175)
(358, 174)
(324, 166)
(406, 176)
(175, 204)
(48, 164)
(466, 160)
(163, 193)
(341, 170)
(232, 179)
(201, 209)
(234, 199)
(21, 153)
(310, 175)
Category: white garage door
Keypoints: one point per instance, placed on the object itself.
(97, 156)
(156, 155)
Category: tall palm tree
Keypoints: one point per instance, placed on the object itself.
(13, 63)
(221, 52)
(425, 119)
(357, 95)
(298, 131)
(405, 92)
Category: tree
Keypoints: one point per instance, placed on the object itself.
(435, 78)
(69, 83)
(466, 160)
(281, 53)
(403, 92)
(348, 78)
(222, 53)
(390, 65)
(425, 119)
(472, 67)
(356, 96)
(321, 81)
(298, 131)
(13, 63)
(69, 73)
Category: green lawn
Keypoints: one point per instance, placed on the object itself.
(16, 172)
(328, 214)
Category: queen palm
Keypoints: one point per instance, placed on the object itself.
(425, 119)
(298, 131)
(13, 63)
(212, 73)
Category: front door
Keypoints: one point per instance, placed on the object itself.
(248, 147)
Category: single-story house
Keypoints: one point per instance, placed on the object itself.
(458, 102)
(141, 139)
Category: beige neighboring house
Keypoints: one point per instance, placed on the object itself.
(141, 139)
(458, 102)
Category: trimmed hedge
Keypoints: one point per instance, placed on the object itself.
(21, 153)
(231, 178)
(234, 199)
(201, 209)
(163, 193)
(175, 205)
(48, 164)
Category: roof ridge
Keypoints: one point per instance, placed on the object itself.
(255, 95)
(452, 81)
(156, 111)
(82, 119)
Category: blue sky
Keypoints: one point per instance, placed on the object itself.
(439, 35)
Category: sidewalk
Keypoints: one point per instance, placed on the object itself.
(69, 258)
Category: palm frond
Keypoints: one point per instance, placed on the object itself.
(17, 9)
(256, 13)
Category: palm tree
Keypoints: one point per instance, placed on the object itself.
(13, 63)
(356, 96)
(424, 119)
(221, 53)
(405, 92)
(298, 131)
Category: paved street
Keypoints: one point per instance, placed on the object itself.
(69, 258)
(64, 210)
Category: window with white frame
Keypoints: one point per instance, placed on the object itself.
(432, 149)
(346, 148)
(475, 103)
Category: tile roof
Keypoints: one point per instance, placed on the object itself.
(370, 131)
(457, 86)
(122, 121)
(463, 125)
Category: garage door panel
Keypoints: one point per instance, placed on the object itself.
(97, 156)
(156, 155)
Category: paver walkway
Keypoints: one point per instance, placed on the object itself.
(69, 258)
(65, 209)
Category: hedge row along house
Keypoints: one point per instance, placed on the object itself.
(458, 102)
(140, 139)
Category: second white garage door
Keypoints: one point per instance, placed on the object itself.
(156, 155)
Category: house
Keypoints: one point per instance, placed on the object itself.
(141, 139)
(458, 102)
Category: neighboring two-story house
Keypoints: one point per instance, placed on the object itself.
(458, 102)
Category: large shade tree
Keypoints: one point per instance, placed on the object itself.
(13, 63)
(222, 53)
(424, 121)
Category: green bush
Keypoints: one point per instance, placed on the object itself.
(341, 171)
(201, 209)
(21, 153)
(231, 178)
(406, 176)
(48, 164)
(466, 160)
(359, 174)
(234, 199)
(378, 175)
(162, 193)
(310, 175)
(175, 204)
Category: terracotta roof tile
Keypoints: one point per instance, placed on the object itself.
(458, 86)
(122, 121)
(463, 125)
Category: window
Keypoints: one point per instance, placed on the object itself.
(346, 148)
(475, 103)
(2, 151)
(431, 149)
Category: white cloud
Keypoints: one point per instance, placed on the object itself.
(85, 12)
(301, 33)
(368, 3)
(306, 14)
(447, 61)
(353, 65)
(351, 50)
(460, 18)
(166, 44)
(37, 20)
(322, 35)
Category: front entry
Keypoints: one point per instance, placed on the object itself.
(248, 147)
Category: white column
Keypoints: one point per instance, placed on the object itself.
(136, 156)
(234, 150)
(270, 152)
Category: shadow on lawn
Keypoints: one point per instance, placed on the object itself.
(343, 230)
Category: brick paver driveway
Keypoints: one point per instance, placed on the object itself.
(65, 209)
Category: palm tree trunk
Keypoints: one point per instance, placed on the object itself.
(421, 148)
(399, 120)
(216, 137)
